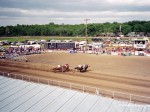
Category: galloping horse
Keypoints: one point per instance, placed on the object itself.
(82, 68)
(59, 68)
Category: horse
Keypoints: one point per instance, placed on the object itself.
(82, 68)
(64, 68)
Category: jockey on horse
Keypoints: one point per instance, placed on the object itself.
(61, 68)
(82, 68)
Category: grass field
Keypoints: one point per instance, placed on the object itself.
(20, 39)
(23, 38)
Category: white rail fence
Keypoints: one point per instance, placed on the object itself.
(94, 90)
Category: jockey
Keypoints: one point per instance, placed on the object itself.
(58, 66)
(67, 66)
(84, 68)
(80, 66)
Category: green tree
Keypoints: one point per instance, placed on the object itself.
(138, 28)
(2, 31)
(146, 27)
(126, 29)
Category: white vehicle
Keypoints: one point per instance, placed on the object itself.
(140, 45)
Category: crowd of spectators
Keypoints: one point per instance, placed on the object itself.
(13, 52)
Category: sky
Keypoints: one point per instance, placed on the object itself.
(13, 12)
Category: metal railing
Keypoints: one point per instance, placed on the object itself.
(83, 88)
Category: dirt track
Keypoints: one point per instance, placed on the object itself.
(125, 74)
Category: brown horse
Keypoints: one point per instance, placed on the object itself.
(64, 68)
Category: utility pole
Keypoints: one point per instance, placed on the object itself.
(86, 35)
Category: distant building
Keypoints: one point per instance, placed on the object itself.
(60, 45)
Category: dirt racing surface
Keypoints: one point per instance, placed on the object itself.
(120, 73)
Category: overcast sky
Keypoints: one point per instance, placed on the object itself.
(14, 12)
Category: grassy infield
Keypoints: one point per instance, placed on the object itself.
(20, 39)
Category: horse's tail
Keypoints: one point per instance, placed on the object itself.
(54, 70)
(72, 70)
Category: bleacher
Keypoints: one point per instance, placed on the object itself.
(21, 96)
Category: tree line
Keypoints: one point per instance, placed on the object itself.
(94, 29)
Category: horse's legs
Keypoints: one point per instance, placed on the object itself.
(54, 70)
(62, 69)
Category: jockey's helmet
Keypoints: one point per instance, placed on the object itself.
(79, 66)
(58, 66)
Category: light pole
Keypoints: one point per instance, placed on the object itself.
(86, 35)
